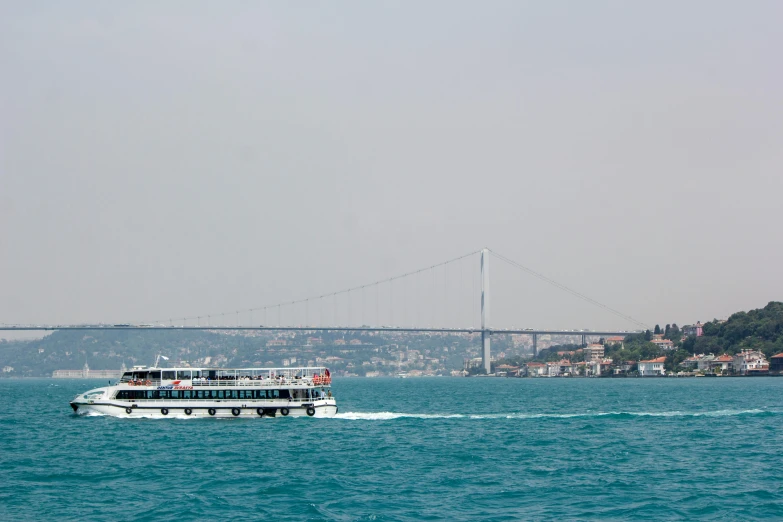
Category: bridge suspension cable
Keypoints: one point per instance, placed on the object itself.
(569, 290)
(334, 295)
(444, 297)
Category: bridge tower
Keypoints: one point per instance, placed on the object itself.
(485, 334)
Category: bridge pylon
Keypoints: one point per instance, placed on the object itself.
(485, 333)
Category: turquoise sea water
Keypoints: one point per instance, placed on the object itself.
(410, 449)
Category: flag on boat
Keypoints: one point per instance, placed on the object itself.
(164, 357)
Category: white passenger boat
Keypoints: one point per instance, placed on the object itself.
(213, 392)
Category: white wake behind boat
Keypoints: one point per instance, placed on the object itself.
(213, 392)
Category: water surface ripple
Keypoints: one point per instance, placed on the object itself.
(410, 449)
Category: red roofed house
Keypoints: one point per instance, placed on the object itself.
(566, 367)
(722, 363)
(652, 367)
(535, 369)
(663, 344)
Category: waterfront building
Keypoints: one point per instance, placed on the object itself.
(598, 367)
(87, 373)
(652, 367)
(507, 369)
(705, 363)
(699, 362)
(566, 368)
(722, 364)
(776, 363)
(535, 369)
(749, 362)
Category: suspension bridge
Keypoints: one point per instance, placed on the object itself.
(422, 298)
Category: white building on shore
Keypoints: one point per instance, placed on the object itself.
(653, 367)
(86, 373)
(750, 361)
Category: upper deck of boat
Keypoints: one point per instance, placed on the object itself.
(244, 377)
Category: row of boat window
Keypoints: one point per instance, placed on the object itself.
(169, 375)
(218, 394)
(186, 375)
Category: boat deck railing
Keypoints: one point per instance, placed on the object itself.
(249, 383)
(262, 382)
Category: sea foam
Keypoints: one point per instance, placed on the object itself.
(389, 415)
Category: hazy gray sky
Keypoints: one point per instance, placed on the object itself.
(169, 160)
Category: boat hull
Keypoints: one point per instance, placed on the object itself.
(222, 410)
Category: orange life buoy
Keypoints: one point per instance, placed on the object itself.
(148, 383)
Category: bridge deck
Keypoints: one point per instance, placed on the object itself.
(318, 328)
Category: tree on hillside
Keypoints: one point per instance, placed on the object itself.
(674, 360)
(673, 333)
(657, 330)
(760, 329)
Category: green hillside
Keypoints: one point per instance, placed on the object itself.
(760, 329)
